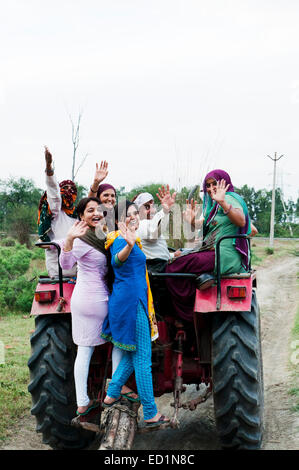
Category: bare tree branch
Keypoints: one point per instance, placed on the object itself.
(82, 162)
(76, 141)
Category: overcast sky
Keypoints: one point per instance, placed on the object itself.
(169, 89)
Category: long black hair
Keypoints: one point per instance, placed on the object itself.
(121, 210)
(109, 277)
(83, 203)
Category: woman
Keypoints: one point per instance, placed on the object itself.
(85, 245)
(224, 213)
(105, 192)
(130, 323)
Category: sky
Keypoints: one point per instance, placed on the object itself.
(168, 90)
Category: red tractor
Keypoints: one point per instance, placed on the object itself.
(221, 348)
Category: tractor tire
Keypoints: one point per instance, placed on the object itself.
(52, 383)
(237, 371)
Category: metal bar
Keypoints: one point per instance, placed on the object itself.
(178, 275)
(218, 303)
(41, 244)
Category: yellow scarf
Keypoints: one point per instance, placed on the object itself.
(111, 237)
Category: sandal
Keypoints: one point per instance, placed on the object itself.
(127, 396)
(94, 404)
(156, 424)
(108, 405)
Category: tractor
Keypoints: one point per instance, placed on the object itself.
(220, 348)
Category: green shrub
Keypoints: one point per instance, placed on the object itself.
(16, 290)
(7, 242)
(269, 251)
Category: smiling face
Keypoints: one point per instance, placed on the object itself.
(211, 186)
(108, 198)
(93, 215)
(132, 218)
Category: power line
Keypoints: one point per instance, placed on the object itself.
(275, 159)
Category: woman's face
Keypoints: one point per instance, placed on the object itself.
(93, 215)
(108, 198)
(147, 210)
(132, 218)
(211, 186)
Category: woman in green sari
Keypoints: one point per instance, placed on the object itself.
(224, 213)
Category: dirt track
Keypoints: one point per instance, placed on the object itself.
(278, 298)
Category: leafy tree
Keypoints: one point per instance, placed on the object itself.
(19, 200)
(82, 191)
(15, 193)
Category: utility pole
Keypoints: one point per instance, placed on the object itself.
(275, 159)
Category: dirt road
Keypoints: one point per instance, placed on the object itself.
(278, 298)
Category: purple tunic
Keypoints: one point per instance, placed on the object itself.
(89, 302)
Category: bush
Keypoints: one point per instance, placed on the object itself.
(7, 242)
(16, 290)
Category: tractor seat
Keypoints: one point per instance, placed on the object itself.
(204, 281)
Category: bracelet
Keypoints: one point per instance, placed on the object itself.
(117, 261)
(228, 210)
(93, 190)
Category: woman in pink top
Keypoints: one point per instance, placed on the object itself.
(84, 245)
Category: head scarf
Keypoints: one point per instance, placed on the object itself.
(68, 198)
(104, 187)
(210, 209)
(143, 198)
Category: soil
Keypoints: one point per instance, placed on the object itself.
(278, 299)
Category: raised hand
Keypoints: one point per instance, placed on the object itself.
(128, 233)
(191, 211)
(49, 160)
(101, 172)
(220, 190)
(167, 200)
(48, 156)
(77, 230)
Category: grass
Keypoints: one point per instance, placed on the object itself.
(261, 252)
(15, 401)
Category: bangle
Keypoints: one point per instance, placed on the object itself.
(93, 190)
(228, 210)
(117, 261)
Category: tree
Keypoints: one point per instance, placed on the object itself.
(19, 199)
(75, 141)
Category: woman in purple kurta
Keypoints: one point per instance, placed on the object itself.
(89, 302)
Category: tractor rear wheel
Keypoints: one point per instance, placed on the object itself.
(238, 378)
(52, 383)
